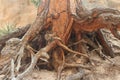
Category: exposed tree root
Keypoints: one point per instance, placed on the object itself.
(57, 26)
(66, 48)
(42, 53)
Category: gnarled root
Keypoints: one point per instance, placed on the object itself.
(42, 53)
(58, 61)
(75, 52)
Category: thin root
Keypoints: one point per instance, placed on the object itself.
(66, 48)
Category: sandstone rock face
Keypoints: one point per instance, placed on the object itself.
(17, 12)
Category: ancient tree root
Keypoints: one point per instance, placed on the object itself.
(12, 69)
(69, 65)
(35, 28)
(42, 53)
(20, 55)
(103, 55)
(97, 48)
(75, 52)
(78, 42)
(61, 66)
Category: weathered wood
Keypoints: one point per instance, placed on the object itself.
(38, 24)
(105, 44)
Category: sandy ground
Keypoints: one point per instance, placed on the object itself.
(103, 70)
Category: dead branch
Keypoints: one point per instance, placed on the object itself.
(42, 53)
(39, 23)
(66, 48)
(35, 28)
(105, 44)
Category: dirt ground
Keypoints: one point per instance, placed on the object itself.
(102, 70)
